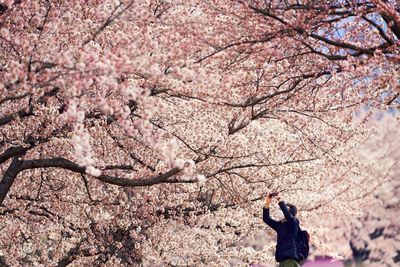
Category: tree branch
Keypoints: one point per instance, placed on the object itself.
(69, 165)
(12, 152)
(24, 112)
(9, 177)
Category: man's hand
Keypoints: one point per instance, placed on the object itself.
(269, 197)
(267, 201)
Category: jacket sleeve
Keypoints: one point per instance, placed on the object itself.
(288, 216)
(268, 220)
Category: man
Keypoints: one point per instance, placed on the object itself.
(287, 231)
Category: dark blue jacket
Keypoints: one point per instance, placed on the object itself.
(287, 231)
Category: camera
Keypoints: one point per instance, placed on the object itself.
(273, 194)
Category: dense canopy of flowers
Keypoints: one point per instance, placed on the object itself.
(148, 132)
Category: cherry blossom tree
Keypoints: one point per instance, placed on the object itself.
(374, 236)
(148, 132)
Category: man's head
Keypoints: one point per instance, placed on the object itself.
(292, 209)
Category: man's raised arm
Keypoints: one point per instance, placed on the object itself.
(288, 216)
(266, 218)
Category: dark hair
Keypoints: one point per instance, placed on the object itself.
(292, 209)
